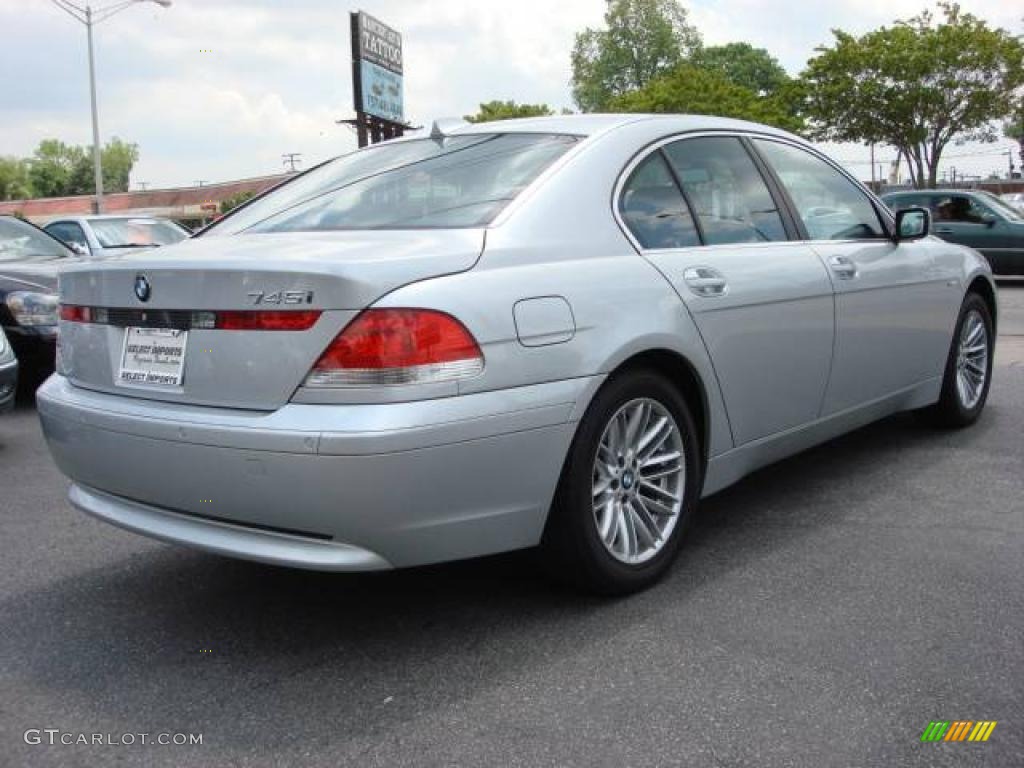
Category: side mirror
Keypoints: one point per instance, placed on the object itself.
(78, 249)
(912, 224)
(990, 220)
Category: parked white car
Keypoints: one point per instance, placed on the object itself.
(102, 236)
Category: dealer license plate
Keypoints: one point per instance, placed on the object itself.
(153, 356)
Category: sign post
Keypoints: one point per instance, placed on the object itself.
(377, 84)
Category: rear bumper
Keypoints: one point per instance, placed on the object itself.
(331, 487)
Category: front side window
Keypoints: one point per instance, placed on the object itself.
(962, 209)
(460, 181)
(68, 232)
(728, 194)
(830, 205)
(653, 208)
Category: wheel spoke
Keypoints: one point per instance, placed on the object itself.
(625, 545)
(661, 492)
(601, 487)
(660, 471)
(647, 527)
(651, 433)
(660, 459)
(656, 507)
(607, 521)
(635, 422)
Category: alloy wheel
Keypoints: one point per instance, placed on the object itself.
(639, 480)
(972, 360)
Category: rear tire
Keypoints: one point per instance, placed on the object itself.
(624, 501)
(968, 372)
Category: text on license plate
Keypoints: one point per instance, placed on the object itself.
(153, 356)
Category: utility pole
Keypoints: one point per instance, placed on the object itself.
(91, 18)
(142, 185)
(200, 182)
(873, 167)
(290, 159)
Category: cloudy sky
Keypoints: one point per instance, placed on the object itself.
(219, 89)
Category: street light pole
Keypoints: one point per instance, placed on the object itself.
(90, 18)
(97, 152)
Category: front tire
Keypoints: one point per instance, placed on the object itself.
(628, 488)
(968, 372)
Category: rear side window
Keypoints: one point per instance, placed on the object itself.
(830, 205)
(653, 208)
(464, 181)
(728, 194)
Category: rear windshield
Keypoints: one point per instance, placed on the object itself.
(460, 181)
(133, 233)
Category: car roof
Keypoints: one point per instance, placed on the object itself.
(590, 125)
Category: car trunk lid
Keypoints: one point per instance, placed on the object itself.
(193, 286)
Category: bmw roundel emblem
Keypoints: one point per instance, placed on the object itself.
(142, 289)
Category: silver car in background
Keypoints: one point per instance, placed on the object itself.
(100, 237)
(558, 331)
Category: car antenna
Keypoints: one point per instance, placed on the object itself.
(442, 127)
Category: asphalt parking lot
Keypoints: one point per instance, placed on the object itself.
(823, 612)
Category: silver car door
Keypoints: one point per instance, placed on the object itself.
(891, 301)
(763, 304)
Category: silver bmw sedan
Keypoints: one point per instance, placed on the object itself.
(557, 332)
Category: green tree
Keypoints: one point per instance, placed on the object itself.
(15, 183)
(51, 167)
(1014, 127)
(57, 169)
(642, 40)
(694, 90)
(745, 65)
(119, 157)
(507, 110)
(232, 202)
(917, 86)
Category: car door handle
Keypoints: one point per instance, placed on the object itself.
(943, 231)
(706, 282)
(843, 267)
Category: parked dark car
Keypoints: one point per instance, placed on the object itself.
(974, 218)
(29, 260)
(8, 374)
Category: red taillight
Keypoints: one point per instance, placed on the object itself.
(398, 346)
(285, 320)
(74, 314)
